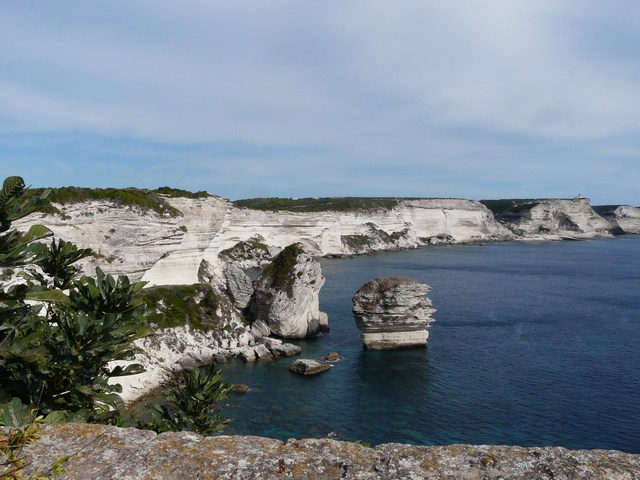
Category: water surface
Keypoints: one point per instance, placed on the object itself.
(533, 344)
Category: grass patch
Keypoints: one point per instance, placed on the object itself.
(178, 305)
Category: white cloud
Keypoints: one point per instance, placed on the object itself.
(367, 83)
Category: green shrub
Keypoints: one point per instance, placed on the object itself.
(339, 204)
(193, 405)
(177, 305)
(135, 197)
(507, 206)
(282, 269)
(54, 353)
(177, 192)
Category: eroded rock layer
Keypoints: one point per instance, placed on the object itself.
(393, 312)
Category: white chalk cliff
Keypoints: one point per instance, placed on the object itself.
(626, 218)
(165, 250)
(559, 218)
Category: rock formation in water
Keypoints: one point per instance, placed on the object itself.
(392, 313)
(285, 295)
(306, 366)
(99, 451)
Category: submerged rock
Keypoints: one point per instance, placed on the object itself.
(286, 295)
(305, 366)
(393, 313)
(332, 357)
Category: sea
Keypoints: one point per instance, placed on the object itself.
(534, 344)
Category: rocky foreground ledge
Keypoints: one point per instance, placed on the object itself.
(103, 452)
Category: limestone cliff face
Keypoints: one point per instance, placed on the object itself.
(410, 224)
(627, 218)
(100, 451)
(134, 242)
(393, 313)
(559, 218)
(286, 295)
(169, 249)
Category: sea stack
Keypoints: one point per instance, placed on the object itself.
(286, 295)
(393, 313)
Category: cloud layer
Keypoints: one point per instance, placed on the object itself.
(462, 98)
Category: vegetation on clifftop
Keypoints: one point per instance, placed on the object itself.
(337, 204)
(135, 197)
(604, 209)
(179, 193)
(60, 334)
(510, 206)
(282, 269)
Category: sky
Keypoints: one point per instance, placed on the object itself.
(250, 98)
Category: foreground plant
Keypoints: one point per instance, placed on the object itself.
(21, 428)
(58, 333)
(193, 405)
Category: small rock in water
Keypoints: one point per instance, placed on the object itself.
(306, 366)
(333, 357)
(240, 388)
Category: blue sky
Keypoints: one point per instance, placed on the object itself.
(471, 99)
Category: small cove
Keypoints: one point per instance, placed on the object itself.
(533, 344)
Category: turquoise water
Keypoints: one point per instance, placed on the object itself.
(533, 344)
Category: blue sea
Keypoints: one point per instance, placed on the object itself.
(534, 344)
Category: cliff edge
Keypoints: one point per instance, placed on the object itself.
(105, 452)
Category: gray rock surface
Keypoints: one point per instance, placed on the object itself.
(238, 285)
(104, 452)
(559, 218)
(286, 294)
(279, 348)
(392, 313)
(259, 329)
(306, 366)
(627, 218)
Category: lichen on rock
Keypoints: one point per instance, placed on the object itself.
(99, 451)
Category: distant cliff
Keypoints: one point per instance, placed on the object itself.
(109, 452)
(167, 246)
